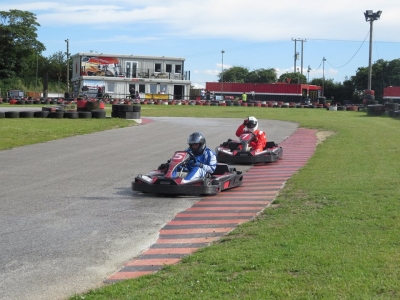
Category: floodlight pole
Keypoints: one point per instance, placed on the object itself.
(370, 17)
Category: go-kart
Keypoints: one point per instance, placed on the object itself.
(240, 152)
(169, 179)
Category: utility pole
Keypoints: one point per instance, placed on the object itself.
(308, 74)
(222, 74)
(323, 76)
(296, 54)
(67, 41)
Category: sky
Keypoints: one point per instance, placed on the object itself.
(254, 34)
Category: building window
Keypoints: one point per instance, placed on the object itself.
(153, 88)
(168, 68)
(178, 69)
(142, 88)
(110, 87)
(157, 67)
(163, 89)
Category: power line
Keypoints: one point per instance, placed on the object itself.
(351, 57)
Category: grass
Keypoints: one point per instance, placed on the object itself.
(332, 233)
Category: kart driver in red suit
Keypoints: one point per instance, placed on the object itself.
(251, 125)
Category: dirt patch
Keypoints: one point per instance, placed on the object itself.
(323, 135)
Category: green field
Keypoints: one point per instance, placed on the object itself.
(332, 233)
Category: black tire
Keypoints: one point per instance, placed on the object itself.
(26, 114)
(41, 114)
(114, 114)
(71, 115)
(85, 114)
(98, 114)
(369, 97)
(115, 107)
(341, 108)
(125, 107)
(12, 114)
(59, 114)
(136, 108)
(2, 114)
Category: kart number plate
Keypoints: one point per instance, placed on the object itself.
(165, 182)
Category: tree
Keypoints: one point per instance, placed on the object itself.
(19, 45)
(294, 77)
(262, 76)
(243, 75)
(234, 74)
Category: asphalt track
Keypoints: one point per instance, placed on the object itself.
(69, 219)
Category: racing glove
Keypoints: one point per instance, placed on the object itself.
(245, 122)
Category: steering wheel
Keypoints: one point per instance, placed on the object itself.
(192, 157)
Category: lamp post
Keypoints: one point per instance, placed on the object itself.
(323, 76)
(370, 17)
(222, 75)
(37, 67)
(67, 41)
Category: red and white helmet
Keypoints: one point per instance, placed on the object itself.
(252, 124)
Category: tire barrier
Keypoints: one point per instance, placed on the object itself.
(128, 115)
(11, 114)
(71, 115)
(352, 108)
(2, 114)
(99, 114)
(85, 114)
(26, 114)
(375, 110)
(369, 96)
(391, 106)
(126, 111)
(58, 114)
(41, 114)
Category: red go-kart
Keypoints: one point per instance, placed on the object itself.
(240, 152)
(168, 179)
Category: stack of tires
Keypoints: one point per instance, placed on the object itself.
(126, 111)
(369, 97)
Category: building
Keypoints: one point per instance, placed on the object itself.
(391, 94)
(286, 92)
(156, 77)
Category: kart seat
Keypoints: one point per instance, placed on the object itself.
(221, 169)
(233, 145)
(270, 144)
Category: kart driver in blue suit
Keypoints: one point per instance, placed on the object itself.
(206, 160)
